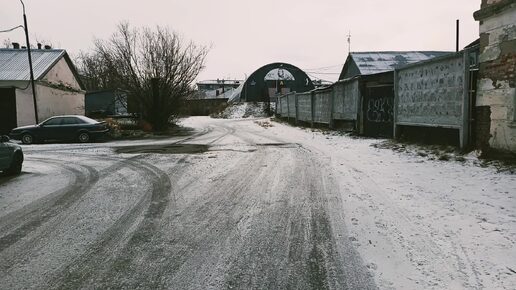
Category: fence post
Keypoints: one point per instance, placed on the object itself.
(297, 107)
(332, 99)
(396, 131)
(312, 107)
(288, 108)
(464, 133)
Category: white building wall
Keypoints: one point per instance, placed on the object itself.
(25, 107)
(53, 102)
(62, 74)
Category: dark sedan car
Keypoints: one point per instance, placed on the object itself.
(61, 128)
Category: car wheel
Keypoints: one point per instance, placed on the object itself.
(16, 165)
(27, 138)
(84, 137)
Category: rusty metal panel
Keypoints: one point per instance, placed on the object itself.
(322, 106)
(431, 93)
(304, 106)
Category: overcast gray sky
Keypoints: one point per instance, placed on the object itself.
(248, 34)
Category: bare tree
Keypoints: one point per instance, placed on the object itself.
(132, 58)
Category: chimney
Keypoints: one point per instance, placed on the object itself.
(39, 45)
(16, 45)
(48, 47)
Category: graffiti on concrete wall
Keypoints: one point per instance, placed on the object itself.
(380, 110)
(432, 93)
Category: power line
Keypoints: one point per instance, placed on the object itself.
(9, 30)
(324, 73)
(324, 67)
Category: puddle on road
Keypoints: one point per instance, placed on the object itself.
(165, 149)
(280, 145)
(192, 148)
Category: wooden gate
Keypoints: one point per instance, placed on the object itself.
(377, 106)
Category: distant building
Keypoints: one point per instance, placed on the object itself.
(496, 95)
(59, 90)
(211, 89)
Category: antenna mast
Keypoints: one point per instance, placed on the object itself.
(349, 42)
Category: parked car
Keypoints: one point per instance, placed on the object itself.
(11, 156)
(61, 128)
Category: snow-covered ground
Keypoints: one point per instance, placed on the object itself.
(243, 110)
(418, 223)
(267, 205)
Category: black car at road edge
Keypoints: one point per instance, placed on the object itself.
(61, 128)
(11, 156)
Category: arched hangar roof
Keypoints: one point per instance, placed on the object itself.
(257, 87)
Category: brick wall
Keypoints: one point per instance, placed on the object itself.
(496, 92)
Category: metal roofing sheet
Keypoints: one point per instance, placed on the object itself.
(14, 63)
(383, 61)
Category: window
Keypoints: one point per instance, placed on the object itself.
(70, 121)
(53, 122)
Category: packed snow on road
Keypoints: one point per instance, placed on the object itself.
(251, 203)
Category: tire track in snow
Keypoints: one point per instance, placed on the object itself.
(33, 215)
(125, 230)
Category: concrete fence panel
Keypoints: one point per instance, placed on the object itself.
(345, 102)
(304, 106)
(284, 106)
(431, 93)
(291, 105)
(322, 106)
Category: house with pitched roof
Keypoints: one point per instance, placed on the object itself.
(59, 90)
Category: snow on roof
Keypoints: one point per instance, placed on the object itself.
(14, 63)
(235, 94)
(383, 61)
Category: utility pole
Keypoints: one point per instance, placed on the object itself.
(457, 36)
(30, 64)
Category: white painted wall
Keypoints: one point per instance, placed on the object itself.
(53, 102)
(61, 73)
(25, 107)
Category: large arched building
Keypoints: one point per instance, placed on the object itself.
(271, 80)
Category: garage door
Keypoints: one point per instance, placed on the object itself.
(7, 110)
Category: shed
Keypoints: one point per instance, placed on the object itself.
(375, 74)
(373, 62)
(105, 103)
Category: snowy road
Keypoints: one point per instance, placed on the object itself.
(241, 205)
(252, 212)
